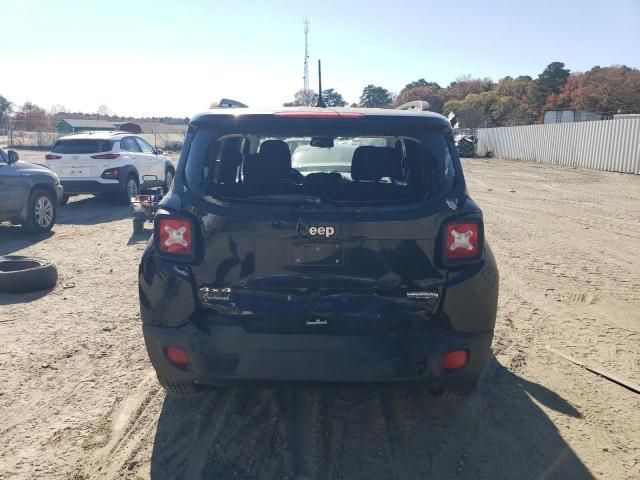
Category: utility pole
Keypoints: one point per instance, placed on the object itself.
(305, 87)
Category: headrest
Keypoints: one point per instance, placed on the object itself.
(373, 163)
(276, 151)
(258, 169)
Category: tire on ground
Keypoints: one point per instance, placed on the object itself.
(26, 274)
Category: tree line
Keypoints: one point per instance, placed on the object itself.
(510, 101)
(33, 118)
(476, 102)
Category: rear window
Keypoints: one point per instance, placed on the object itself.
(82, 146)
(350, 162)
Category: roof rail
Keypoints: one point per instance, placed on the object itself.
(420, 105)
(228, 103)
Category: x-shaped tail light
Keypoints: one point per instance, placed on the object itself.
(462, 241)
(175, 236)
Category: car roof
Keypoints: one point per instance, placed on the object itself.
(97, 135)
(367, 112)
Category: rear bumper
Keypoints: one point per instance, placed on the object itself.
(223, 354)
(94, 185)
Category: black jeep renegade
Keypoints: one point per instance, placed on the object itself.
(318, 244)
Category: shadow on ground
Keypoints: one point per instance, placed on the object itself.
(14, 238)
(141, 237)
(18, 298)
(90, 210)
(81, 210)
(327, 432)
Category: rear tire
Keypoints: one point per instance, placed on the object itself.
(131, 188)
(41, 211)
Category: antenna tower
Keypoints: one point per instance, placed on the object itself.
(305, 88)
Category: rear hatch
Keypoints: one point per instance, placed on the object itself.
(80, 157)
(343, 241)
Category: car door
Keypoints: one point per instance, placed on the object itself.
(13, 187)
(156, 165)
(130, 149)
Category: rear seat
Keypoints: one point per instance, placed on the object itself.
(263, 171)
(368, 167)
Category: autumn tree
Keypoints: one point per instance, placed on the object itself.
(32, 118)
(601, 90)
(431, 94)
(373, 96)
(464, 85)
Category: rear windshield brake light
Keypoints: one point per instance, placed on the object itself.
(318, 115)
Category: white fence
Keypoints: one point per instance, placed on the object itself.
(606, 145)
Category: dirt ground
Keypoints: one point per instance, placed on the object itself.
(79, 399)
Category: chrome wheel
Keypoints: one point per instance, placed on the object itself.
(43, 211)
(168, 180)
(132, 187)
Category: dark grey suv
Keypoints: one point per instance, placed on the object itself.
(29, 193)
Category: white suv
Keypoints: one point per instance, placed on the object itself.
(108, 162)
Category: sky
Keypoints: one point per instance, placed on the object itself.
(156, 58)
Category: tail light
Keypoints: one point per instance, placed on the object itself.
(455, 360)
(106, 156)
(177, 356)
(51, 156)
(174, 237)
(462, 241)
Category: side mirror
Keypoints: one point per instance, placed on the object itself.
(159, 151)
(13, 156)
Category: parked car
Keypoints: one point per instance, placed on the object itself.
(29, 193)
(363, 260)
(107, 162)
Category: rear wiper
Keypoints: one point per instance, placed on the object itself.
(311, 199)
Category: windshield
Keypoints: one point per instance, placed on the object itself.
(331, 165)
(82, 146)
